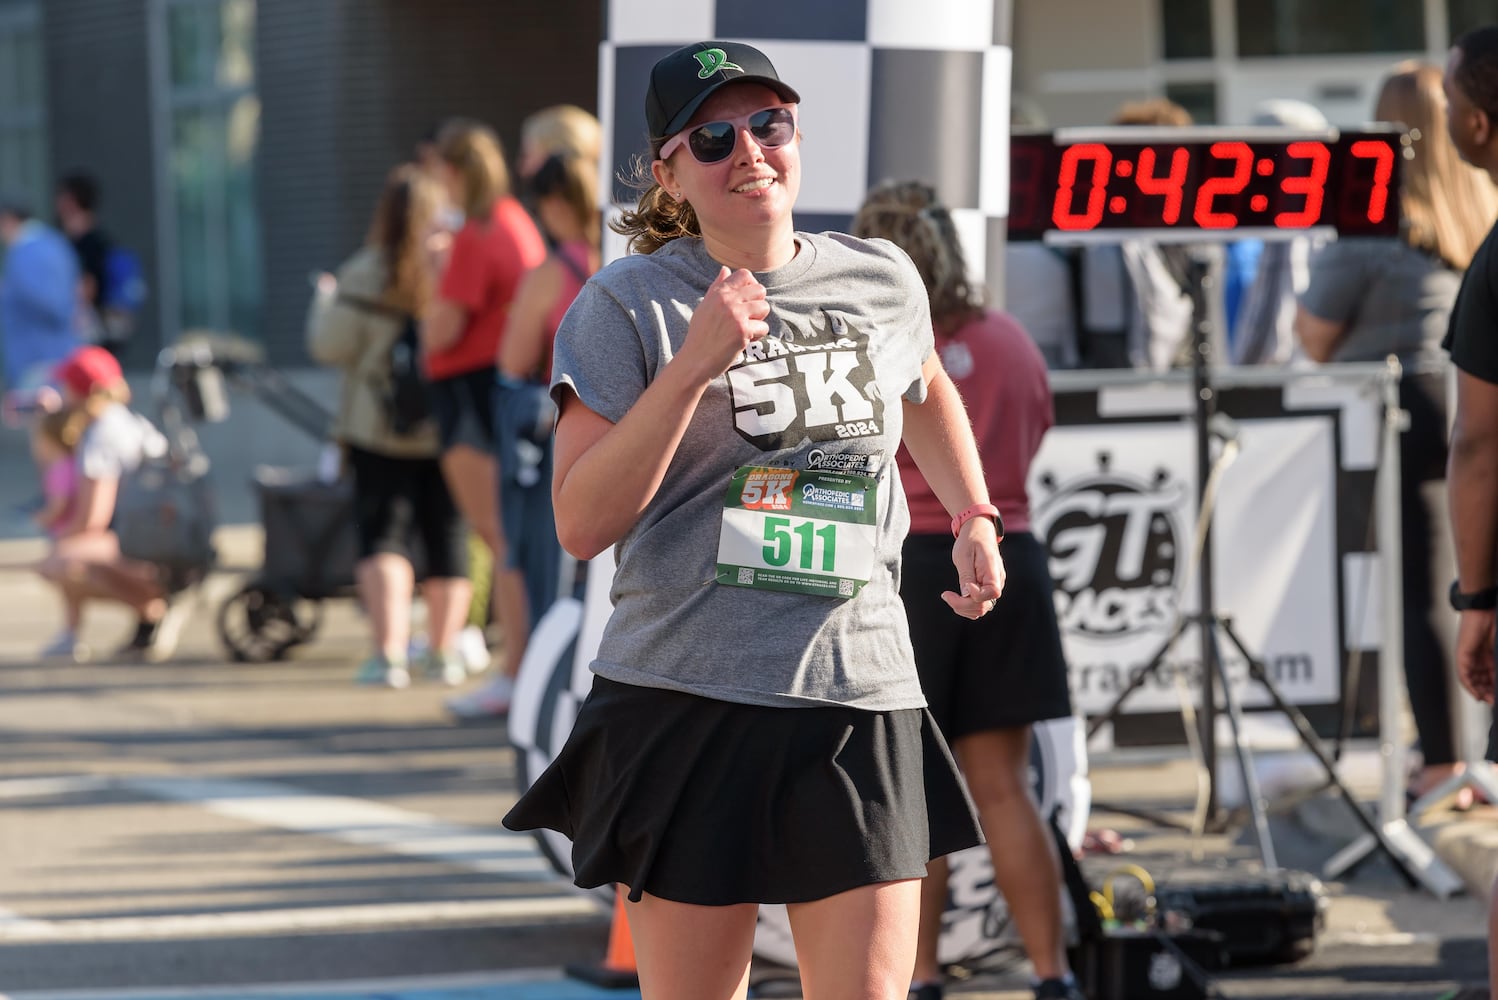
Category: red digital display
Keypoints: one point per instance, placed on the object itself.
(1201, 183)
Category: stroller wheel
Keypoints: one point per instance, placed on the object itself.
(257, 625)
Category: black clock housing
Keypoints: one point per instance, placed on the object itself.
(1202, 183)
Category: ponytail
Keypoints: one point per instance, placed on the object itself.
(657, 218)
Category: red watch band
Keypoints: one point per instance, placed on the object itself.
(978, 510)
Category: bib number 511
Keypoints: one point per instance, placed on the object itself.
(789, 538)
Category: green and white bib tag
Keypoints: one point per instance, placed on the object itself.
(799, 531)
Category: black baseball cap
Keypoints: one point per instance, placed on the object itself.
(681, 81)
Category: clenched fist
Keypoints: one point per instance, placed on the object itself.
(730, 317)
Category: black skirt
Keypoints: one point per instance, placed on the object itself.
(1003, 670)
(715, 803)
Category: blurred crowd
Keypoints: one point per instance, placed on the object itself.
(441, 325)
(468, 269)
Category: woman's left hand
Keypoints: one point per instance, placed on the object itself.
(980, 569)
(438, 250)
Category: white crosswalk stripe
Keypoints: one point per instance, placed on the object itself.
(358, 821)
(499, 854)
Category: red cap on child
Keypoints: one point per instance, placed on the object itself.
(88, 369)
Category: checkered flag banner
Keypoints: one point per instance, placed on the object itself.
(890, 89)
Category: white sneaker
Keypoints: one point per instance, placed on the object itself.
(377, 670)
(65, 646)
(168, 630)
(474, 650)
(446, 667)
(492, 701)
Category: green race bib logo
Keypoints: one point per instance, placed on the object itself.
(713, 60)
(799, 531)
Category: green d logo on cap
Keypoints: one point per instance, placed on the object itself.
(713, 60)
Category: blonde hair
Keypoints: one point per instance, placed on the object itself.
(77, 418)
(474, 151)
(404, 216)
(910, 215)
(562, 128)
(59, 427)
(1448, 206)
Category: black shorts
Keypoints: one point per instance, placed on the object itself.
(463, 406)
(402, 506)
(1004, 670)
(710, 802)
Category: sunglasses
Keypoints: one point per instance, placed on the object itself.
(712, 142)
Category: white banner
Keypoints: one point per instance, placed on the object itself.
(1117, 507)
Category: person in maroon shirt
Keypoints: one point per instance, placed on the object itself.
(986, 680)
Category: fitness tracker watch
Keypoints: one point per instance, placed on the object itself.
(1485, 599)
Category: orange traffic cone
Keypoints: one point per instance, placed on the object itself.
(618, 969)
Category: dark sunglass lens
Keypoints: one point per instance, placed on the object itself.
(712, 141)
(772, 127)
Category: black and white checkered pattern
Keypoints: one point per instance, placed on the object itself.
(891, 89)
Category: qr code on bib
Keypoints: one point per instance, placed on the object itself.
(746, 575)
(845, 588)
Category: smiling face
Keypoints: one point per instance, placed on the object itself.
(744, 201)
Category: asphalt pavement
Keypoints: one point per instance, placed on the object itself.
(201, 828)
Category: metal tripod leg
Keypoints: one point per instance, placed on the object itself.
(1419, 866)
(1412, 854)
(1111, 712)
(1477, 775)
(1245, 761)
(1434, 874)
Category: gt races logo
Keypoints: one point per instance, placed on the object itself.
(1114, 552)
(815, 384)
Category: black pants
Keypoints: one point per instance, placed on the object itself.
(1427, 665)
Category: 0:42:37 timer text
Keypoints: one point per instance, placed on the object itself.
(1181, 184)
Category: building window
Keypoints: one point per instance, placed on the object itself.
(1314, 27)
(1468, 15)
(1198, 98)
(1187, 28)
(214, 131)
(23, 107)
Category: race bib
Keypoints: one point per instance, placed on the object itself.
(798, 531)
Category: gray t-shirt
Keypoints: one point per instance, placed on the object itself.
(1392, 298)
(850, 326)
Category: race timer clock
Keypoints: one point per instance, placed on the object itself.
(1195, 184)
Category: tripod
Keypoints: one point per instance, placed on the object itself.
(1411, 860)
(1434, 874)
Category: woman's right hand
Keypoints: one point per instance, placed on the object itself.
(730, 317)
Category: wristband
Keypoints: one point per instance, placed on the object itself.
(978, 510)
(1485, 599)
